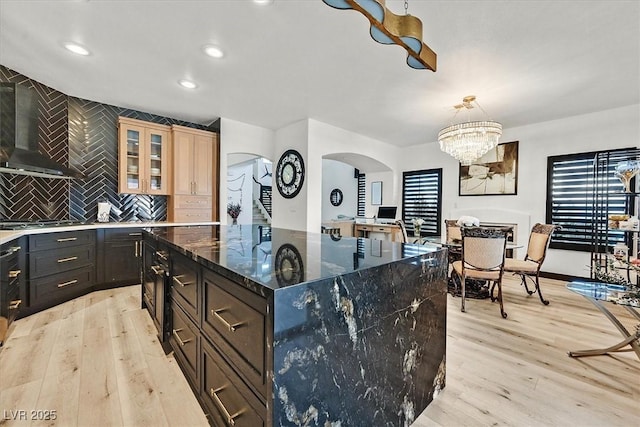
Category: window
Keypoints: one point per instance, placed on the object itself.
(422, 198)
(572, 201)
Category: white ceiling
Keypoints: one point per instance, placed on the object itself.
(526, 61)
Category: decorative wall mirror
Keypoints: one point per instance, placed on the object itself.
(336, 197)
(376, 193)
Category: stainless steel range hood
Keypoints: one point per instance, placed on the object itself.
(19, 136)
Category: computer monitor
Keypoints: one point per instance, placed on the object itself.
(387, 212)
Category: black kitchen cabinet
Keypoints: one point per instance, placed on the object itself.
(11, 279)
(155, 288)
(62, 266)
(120, 255)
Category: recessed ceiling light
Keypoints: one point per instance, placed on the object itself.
(213, 51)
(187, 84)
(76, 48)
(263, 1)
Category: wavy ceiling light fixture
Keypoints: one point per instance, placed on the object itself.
(389, 28)
(468, 141)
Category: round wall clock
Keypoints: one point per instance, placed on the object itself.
(336, 197)
(289, 267)
(290, 174)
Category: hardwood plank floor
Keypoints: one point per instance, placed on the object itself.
(96, 361)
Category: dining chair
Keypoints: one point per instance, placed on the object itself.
(483, 258)
(403, 229)
(530, 266)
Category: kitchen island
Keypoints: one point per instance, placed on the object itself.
(281, 327)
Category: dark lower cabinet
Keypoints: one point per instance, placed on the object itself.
(217, 331)
(185, 286)
(62, 266)
(121, 254)
(11, 273)
(235, 319)
(227, 399)
(185, 341)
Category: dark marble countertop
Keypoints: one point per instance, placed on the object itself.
(276, 258)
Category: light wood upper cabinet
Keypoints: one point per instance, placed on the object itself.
(193, 161)
(195, 169)
(144, 157)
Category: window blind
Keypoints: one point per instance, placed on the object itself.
(579, 203)
(422, 198)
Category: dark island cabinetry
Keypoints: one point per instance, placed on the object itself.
(272, 329)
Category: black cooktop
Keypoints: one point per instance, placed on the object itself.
(19, 224)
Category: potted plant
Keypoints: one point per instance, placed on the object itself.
(417, 224)
(234, 209)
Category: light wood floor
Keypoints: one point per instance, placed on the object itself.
(96, 361)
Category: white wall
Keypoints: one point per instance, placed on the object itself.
(338, 175)
(240, 190)
(238, 137)
(293, 213)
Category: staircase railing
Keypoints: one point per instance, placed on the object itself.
(266, 192)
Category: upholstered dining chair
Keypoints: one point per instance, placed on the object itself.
(530, 266)
(483, 255)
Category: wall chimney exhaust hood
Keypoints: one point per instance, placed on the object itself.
(19, 136)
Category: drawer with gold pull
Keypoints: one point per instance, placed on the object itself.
(61, 286)
(185, 341)
(56, 261)
(184, 285)
(48, 241)
(228, 399)
(239, 317)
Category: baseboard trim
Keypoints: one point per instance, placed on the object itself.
(562, 277)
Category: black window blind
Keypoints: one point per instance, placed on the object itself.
(579, 200)
(422, 198)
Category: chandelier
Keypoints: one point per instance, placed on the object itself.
(468, 141)
(389, 28)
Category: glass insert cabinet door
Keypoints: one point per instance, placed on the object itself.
(134, 138)
(143, 157)
(157, 161)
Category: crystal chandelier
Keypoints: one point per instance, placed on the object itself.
(468, 141)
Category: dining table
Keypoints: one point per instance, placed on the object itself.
(603, 296)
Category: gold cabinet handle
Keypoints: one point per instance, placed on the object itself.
(13, 305)
(71, 258)
(230, 418)
(231, 327)
(177, 280)
(138, 251)
(14, 273)
(135, 234)
(70, 282)
(157, 270)
(180, 341)
(68, 239)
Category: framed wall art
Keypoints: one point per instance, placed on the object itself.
(495, 173)
(376, 193)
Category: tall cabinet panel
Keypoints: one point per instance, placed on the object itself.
(195, 169)
(144, 157)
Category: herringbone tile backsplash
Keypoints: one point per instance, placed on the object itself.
(82, 134)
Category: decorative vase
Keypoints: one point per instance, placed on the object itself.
(625, 171)
(235, 221)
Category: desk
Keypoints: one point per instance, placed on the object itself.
(391, 232)
(600, 294)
